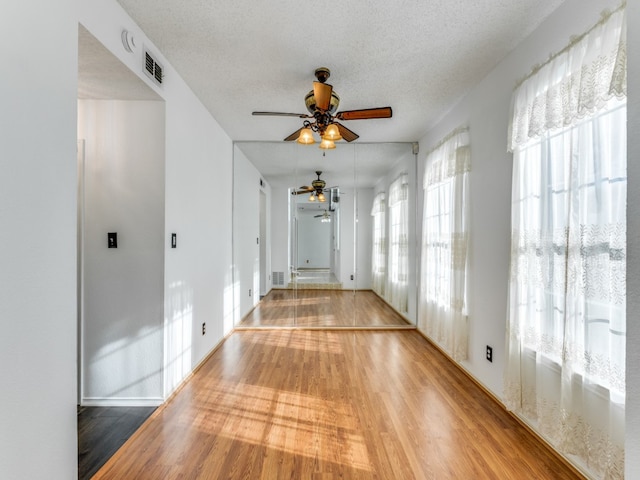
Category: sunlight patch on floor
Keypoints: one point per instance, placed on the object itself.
(290, 422)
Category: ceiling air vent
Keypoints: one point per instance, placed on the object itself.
(152, 68)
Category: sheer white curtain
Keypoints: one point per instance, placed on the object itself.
(443, 312)
(565, 368)
(379, 253)
(398, 295)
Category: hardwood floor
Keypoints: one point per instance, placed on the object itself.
(101, 431)
(314, 404)
(323, 308)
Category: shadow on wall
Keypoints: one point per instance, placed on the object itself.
(126, 368)
(229, 302)
(178, 334)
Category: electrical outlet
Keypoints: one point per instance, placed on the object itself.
(489, 353)
(204, 328)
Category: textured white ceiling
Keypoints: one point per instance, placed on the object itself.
(288, 164)
(417, 56)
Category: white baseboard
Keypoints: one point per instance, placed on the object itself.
(121, 402)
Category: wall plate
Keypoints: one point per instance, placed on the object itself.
(112, 240)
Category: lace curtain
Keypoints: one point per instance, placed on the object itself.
(565, 369)
(574, 84)
(442, 311)
(379, 253)
(398, 292)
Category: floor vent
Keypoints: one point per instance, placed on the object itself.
(152, 68)
(278, 278)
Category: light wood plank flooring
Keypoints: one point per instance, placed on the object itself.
(323, 308)
(313, 404)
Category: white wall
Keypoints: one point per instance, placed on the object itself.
(198, 274)
(355, 238)
(632, 468)
(364, 233)
(246, 231)
(198, 191)
(346, 260)
(314, 240)
(265, 240)
(123, 288)
(279, 221)
(38, 240)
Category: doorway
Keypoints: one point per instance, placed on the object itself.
(314, 264)
(263, 244)
(121, 122)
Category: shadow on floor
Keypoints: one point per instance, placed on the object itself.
(102, 431)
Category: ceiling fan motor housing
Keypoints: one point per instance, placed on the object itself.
(318, 185)
(310, 102)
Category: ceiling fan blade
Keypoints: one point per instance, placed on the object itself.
(281, 114)
(293, 136)
(322, 94)
(365, 114)
(345, 133)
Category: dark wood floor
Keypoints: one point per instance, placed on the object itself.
(101, 431)
(317, 404)
(323, 308)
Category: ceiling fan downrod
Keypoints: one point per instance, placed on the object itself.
(322, 74)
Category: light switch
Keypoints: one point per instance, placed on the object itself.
(174, 240)
(112, 239)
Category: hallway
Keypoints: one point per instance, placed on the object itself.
(317, 308)
(331, 404)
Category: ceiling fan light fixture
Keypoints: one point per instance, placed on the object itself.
(332, 133)
(322, 103)
(327, 144)
(306, 137)
(321, 197)
(312, 198)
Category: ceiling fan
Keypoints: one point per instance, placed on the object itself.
(322, 102)
(316, 189)
(324, 217)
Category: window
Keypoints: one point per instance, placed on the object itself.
(399, 244)
(443, 312)
(379, 254)
(565, 367)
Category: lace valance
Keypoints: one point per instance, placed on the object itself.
(378, 204)
(576, 82)
(451, 157)
(399, 190)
